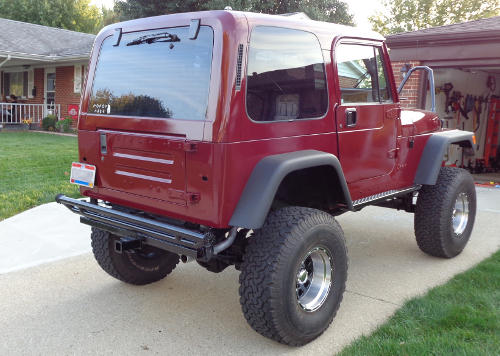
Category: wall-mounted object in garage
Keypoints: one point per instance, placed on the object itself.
(491, 83)
(491, 142)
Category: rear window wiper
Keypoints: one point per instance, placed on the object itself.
(157, 37)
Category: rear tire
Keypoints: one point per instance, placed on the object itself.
(293, 275)
(445, 213)
(139, 267)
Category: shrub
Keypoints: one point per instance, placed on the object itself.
(64, 125)
(49, 122)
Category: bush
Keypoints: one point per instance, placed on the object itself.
(64, 125)
(49, 122)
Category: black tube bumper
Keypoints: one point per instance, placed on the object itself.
(151, 232)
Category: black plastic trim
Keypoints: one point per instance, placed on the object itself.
(432, 157)
(266, 177)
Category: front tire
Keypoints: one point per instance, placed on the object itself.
(445, 213)
(293, 275)
(140, 267)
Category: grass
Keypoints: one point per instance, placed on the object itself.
(461, 317)
(34, 168)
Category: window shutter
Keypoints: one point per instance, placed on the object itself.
(25, 84)
(84, 76)
(77, 79)
(6, 84)
(31, 83)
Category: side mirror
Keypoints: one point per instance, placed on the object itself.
(430, 76)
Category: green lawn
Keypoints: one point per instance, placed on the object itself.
(34, 168)
(461, 317)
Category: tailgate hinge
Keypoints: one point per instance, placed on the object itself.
(193, 198)
(190, 147)
(393, 153)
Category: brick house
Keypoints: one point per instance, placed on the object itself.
(42, 71)
(465, 58)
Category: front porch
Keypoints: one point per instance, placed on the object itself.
(21, 113)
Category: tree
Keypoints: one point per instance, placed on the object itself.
(76, 15)
(323, 10)
(412, 15)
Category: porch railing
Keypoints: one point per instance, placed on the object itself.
(17, 113)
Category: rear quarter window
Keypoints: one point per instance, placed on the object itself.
(285, 75)
(159, 73)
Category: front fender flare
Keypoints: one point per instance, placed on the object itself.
(267, 175)
(432, 156)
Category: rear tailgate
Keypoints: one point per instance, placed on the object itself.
(148, 165)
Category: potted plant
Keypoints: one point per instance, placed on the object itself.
(64, 125)
(27, 124)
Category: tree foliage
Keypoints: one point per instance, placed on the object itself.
(412, 15)
(76, 15)
(323, 10)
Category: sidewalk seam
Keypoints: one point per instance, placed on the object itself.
(374, 298)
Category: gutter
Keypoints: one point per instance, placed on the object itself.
(5, 60)
(410, 40)
(43, 58)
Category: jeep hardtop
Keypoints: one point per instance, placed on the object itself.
(235, 138)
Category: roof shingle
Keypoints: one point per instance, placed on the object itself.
(31, 39)
(465, 30)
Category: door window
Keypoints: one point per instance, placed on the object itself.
(362, 74)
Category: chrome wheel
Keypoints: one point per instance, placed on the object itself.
(314, 279)
(460, 215)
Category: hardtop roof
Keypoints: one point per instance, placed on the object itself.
(319, 27)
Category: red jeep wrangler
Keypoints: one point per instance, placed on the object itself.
(235, 139)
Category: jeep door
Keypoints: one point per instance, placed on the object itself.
(366, 115)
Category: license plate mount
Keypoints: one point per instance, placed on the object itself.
(82, 174)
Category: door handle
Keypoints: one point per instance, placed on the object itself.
(104, 144)
(351, 117)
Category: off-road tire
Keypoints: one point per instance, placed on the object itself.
(272, 258)
(434, 212)
(135, 267)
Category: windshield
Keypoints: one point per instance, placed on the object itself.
(154, 74)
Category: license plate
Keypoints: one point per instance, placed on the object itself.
(82, 174)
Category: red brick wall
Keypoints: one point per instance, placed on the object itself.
(65, 94)
(39, 74)
(412, 87)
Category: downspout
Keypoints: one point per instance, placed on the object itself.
(1, 65)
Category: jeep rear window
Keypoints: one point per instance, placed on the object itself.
(159, 73)
(285, 76)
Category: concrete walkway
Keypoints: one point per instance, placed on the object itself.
(72, 307)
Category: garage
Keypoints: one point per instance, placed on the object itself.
(465, 59)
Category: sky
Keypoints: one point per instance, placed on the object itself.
(361, 9)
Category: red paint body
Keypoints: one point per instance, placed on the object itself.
(201, 167)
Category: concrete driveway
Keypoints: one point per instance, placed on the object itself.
(72, 307)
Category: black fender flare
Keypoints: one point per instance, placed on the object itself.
(432, 156)
(267, 175)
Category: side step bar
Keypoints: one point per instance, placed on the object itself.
(150, 232)
(372, 199)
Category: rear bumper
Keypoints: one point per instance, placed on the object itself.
(151, 232)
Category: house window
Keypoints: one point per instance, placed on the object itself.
(18, 84)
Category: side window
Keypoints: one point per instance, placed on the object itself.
(362, 74)
(285, 76)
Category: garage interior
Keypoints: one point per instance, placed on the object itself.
(465, 59)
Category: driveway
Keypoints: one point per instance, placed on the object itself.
(70, 306)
